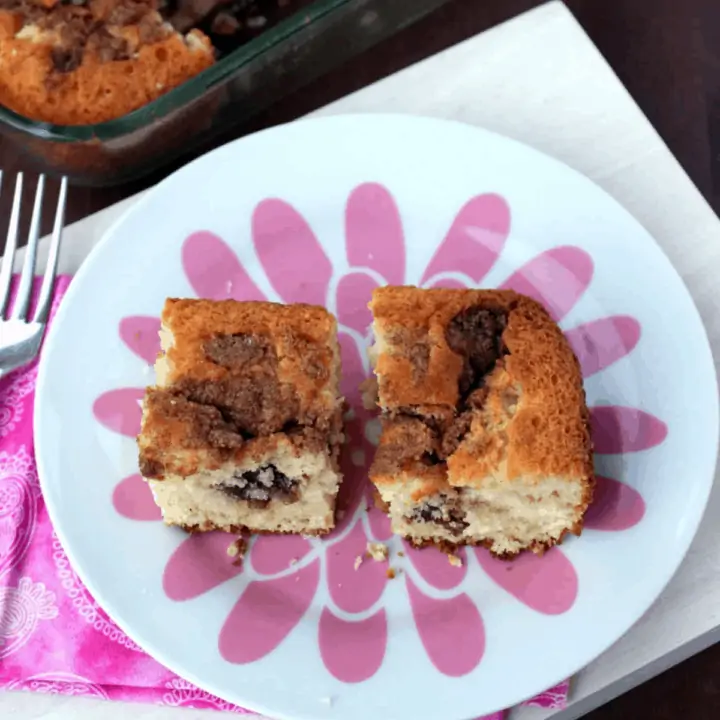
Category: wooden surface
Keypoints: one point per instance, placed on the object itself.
(667, 53)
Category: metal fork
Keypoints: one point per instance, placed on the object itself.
(20, 338)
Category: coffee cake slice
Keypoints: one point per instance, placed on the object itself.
(485, 430)
(244, 426)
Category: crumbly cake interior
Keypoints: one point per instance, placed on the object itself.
(244, 426)
(485, 435)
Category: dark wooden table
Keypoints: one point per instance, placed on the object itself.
(667, 53)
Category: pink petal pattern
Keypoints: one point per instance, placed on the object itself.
(291, 256)
(266, 614)
(367, 638)
(119, 410)
(352, 590)
(272, 554)
(353, 295)
(547, 584)
(214, 271)
(199, 564)
(603, 342)
(448, 283)
(556, 278)
(475, 239)
(140, 334)
(373, 232)
(353, 371)
(133, 499)
(435, 568)
(616, 506)
(451, 631)
(617, 429)
(379, 522)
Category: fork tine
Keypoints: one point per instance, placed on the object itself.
(44, 300)
(22, 297)
(10, 245)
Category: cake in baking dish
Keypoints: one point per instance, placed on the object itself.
(243, 428)
(485, 431)
(87, 61)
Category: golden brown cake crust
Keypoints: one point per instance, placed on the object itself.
(536, 382)
(264, 365)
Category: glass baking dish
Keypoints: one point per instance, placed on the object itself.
(292, 53)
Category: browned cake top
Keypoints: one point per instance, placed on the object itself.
(478, 378)
(237, 372)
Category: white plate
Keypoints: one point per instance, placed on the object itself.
(299, 633)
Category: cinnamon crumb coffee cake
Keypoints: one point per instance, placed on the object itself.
(88, 61)
(244, 426)
(485, 436)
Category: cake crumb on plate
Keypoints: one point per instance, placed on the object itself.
(237, 549)
(377, 551)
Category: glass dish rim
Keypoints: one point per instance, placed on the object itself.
(182, 94)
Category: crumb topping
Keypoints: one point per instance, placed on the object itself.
(476, 335)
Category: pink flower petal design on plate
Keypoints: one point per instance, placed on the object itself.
(352, 651)
(214, 271)
(379, 521)
(547, 584)
(556, 278)
(616, 506)
(119, 410)
(449, 283)
(199, 564)
(617, 429)
(353, 371)
(291, 256)
(266, 614)
(132, 498)
(435, 568)
(272, 554)
(600, 343)
(353, 295)
(140, 334)
(352, 590)
(451, 631)
(373, 232)
(475, 239)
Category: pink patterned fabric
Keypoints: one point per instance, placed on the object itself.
(54, 638)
